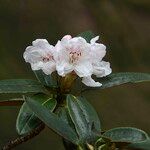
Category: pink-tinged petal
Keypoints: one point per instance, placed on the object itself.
(88, 81)
(39, 55)
(83, 69)
(102, 69)
(65, 40)
(67, 37)
(93, 40)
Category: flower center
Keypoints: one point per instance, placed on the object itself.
(47, 58)
(74, 56)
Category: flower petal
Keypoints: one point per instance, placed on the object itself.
(40, 56)
(37, 65)
(67, 37)
(43, 44)
(83, 68)
(102, 69)
(64, 68)
(98, 51)
(88, 81)
(78, 40)
(60, 53)
(49, 67)
(93, 40)
(32, 54)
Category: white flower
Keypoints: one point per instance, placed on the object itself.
(98, 51)
(85, 59)
(88, 81)
(41, 56)
(100, 68)
(73, 55)
(69, 55)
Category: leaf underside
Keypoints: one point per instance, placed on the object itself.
(126, 134)
(141, 145)
(122, 78)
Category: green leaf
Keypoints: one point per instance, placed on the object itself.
(90, 113)
(126, 134)
(26, 120)
(121, 78)
(21, 86)
(46, 80)
(78, 118)
(87, 35)
(115, 79)
(52, 121)
(64, 115)
(145, 145)
(79, 111)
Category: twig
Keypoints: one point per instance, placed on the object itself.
(20, 140)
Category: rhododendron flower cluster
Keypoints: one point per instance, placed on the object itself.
(69, 55)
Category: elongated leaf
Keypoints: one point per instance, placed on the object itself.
(64, 115)
(126, 134)
(26, 120)
(79, 111)
(46, 80)
(90, 113)
(78, 118)
(87, 35)
(20, 86)
(115, 79)
(52, 121)
(145, 145)
(121, 78)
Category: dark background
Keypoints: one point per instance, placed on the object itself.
(123, 26)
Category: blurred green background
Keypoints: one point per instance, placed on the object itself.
(123, 26)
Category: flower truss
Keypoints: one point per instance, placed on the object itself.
(70, 55)
(54, 101)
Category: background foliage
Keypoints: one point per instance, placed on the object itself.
(123, 27)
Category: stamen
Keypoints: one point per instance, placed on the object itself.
(74, 55)
(47, 58)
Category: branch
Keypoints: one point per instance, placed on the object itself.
(20, 140)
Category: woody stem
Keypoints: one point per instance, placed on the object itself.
(13, 143)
